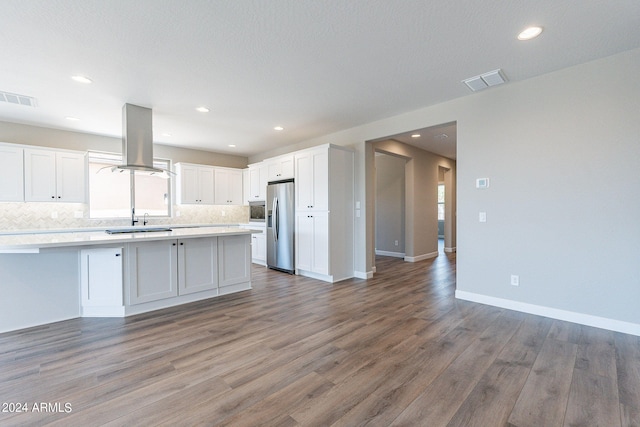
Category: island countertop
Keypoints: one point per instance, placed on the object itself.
(34, 243)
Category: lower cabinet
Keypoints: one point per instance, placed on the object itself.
(144, 276)
(259, 248)
(197, 265)
(234, 254)
(151, 271)
(312, 242)
(101, 282)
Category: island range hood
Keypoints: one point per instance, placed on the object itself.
(137, 141)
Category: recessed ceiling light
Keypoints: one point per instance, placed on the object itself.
(278, 128)
(415, 135)
(166, 134)
(73, 119)
(442, 136)
(530, 33)
(231, 145)
(202, 109)
(82, 79)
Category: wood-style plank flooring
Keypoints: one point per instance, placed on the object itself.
(397, 350)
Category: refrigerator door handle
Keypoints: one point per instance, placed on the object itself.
(276, 219)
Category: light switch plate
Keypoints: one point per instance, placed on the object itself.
(482, 216)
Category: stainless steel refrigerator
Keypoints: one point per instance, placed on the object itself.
(280, 226)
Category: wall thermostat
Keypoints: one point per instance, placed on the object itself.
(482, 183)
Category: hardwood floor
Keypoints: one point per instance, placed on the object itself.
(397, 350)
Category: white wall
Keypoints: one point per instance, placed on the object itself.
(563, 211)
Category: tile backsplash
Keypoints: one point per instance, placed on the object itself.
(39, 216)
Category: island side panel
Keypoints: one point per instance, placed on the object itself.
(38, 289)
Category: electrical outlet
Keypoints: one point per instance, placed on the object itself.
(224, 213)
(396, 243)
(482, 216)
(515, 280)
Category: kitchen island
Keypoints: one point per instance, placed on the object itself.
(48, 277)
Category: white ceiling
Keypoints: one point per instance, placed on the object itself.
(312, 66)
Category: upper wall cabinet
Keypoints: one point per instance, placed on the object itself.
(194, 184)
(11, 174)
(257, 182)
(54, 176)
(280, 168)
(312, 180)
(228, 186)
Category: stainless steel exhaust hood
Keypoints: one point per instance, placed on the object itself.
(137, 140)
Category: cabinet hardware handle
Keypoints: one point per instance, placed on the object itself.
(117, 254)
(181, 243)
(173, 244)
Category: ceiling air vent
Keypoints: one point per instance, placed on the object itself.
(483, 81)
(14, 98)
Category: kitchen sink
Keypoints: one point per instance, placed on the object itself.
(137, 230)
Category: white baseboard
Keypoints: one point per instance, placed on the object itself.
(388, 253)
(363, 274)
(449, 250)
(421, 257)
(554, 313)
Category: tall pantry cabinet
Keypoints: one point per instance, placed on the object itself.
(324, 197)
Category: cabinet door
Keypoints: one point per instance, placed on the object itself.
(11, 174)
(151, 271)
(39, 176)
(70, 177)
(320, 160)
(246, 186)
(187, 185)
(312, 180)
(206, 186)
(259, 248)
(304, 181)
(312, 242)
(258, 187)
(234, 259)
(320, 263)
(304, 242)
(221, 192)
(280, 168)
(197, 265)
(101, 277)
(228, 187)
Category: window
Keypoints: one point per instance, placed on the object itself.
(110, 192)
(440, 202)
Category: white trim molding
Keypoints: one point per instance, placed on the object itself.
(363, 275)
(449, 250)
(421, 257)
(554, 313)
(393, 254)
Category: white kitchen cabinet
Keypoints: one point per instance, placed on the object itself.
(280, 168)
(11, 174)
(234, 255)
(101, 282)
(54, 176)
(246, 187)
(228, 186)
(194, 184)
(257, 182)
(258, 244)
(312, 243)
(197, 265)
(324, 213)
(151, 271)
(312, 180)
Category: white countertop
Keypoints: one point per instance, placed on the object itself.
(33, 243)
